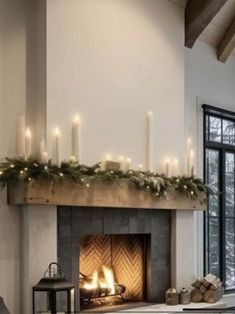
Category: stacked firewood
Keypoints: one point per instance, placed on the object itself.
(207, 289)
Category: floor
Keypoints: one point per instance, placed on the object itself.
(144, 307)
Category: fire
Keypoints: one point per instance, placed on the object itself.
(107, 282)
(94, 282)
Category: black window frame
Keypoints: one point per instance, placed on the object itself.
(222, 149)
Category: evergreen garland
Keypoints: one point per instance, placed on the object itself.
(13, 169)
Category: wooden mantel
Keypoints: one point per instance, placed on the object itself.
(123, 194)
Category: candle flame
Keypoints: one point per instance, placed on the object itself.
(108, 157)
(28, 133)
(72, 159)
(192, 153)
(189, 141)
(57, 132)
(150, 113)
(176, 161)
(76, 119)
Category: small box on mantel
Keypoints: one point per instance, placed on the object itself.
(110, 165)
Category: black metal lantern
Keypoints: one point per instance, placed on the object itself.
(52, 283)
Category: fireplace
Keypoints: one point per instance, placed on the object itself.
(115, 255)
(112, 268)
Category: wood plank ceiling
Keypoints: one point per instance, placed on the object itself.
(212, 21)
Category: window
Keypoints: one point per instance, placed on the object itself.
(219, 174)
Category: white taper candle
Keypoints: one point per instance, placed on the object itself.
(128, 164)
(188, 149)
(191, 163)
(140, 167)
(44, 157)
(176, 167)
(149, 142)
(56, 147)
(122, 163)
(20, 149)
(28, 143)
(167, 167)
(76, 138)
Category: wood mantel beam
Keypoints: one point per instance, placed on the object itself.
(198, 14)
(227, 43)
(121, 195)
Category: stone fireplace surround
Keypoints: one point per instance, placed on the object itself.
(48, 230)
(76, 222)
(40, 239)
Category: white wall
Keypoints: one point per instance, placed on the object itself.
(12, 103)
(111, 61)
(211, 82)
(39, 249)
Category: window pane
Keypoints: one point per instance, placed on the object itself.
(207, 128)
(229, 184)
(229, 254)
(213, 246)
(215, 129)
(212, 174)
(228, 132)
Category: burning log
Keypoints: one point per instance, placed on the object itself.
(208, 289)
(95, 286)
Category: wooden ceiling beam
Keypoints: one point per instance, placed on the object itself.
(198, 14)
(227, 43)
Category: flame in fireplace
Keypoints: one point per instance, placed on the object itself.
(109, 277)
(107, 281)
(94, 282)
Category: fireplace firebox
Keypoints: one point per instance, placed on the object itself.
(113, 265)
(115, 255)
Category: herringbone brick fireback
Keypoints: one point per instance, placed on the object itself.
(124, 254)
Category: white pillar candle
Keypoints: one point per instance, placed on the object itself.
(122, 163)
(167, 167)
(28, 143)
(76, 138)
(56, 147)
(176, 167)
(72, 159)
(149, 142)
(42, 145)
(140, 167)
(128, 164)
(44, 157)
(20, 149)
(191, 163)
